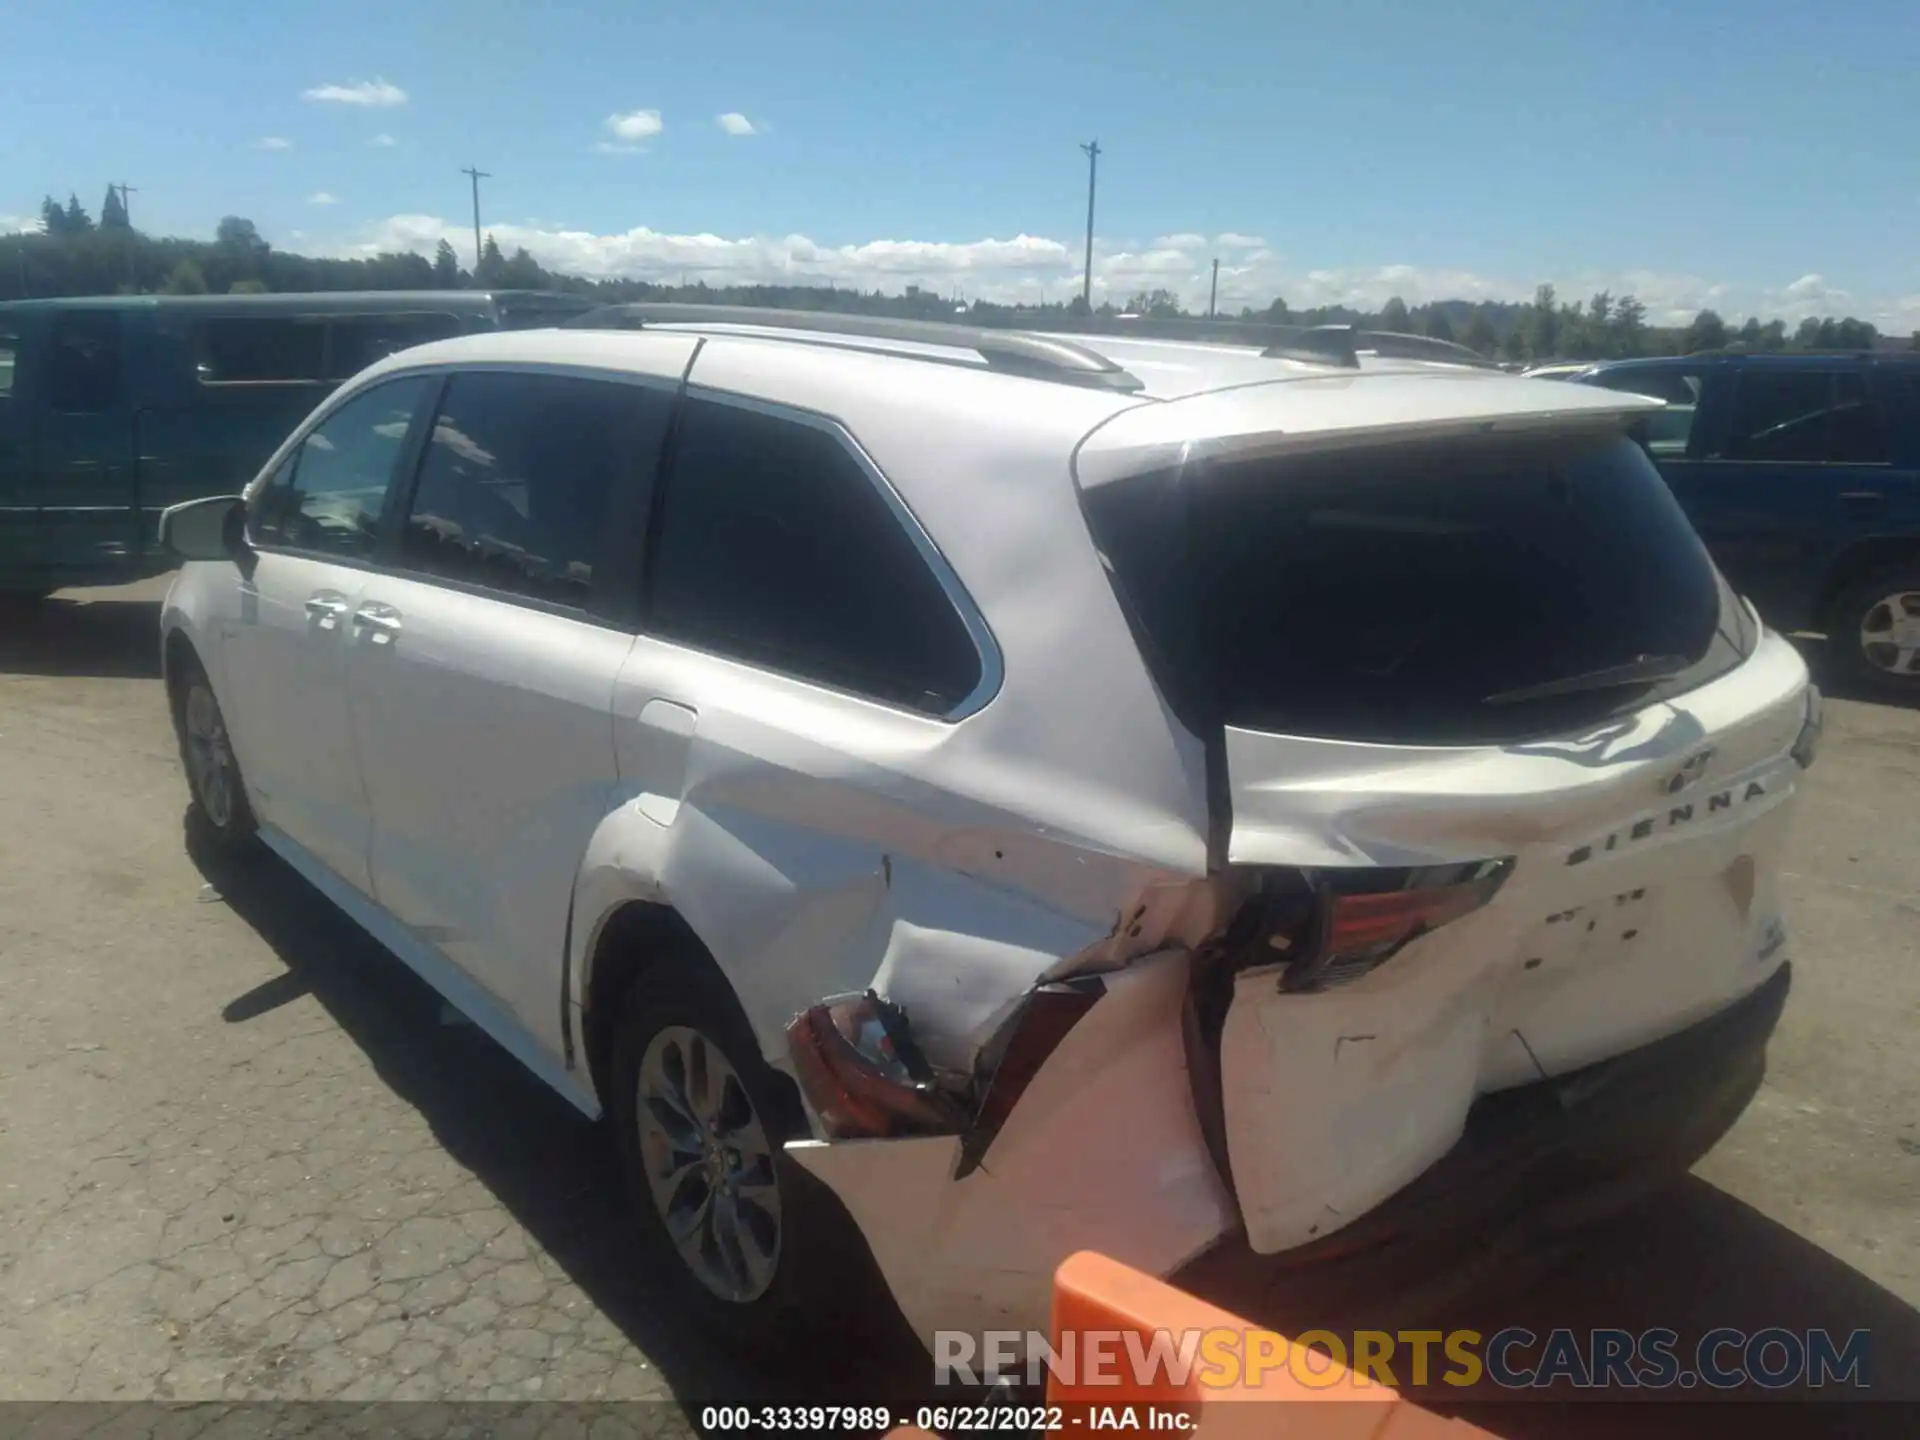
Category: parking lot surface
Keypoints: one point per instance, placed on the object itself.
(245, 1155)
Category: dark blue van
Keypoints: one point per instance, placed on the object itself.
(114, 407)
(1802, 475)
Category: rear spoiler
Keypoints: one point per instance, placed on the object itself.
(1322, 412)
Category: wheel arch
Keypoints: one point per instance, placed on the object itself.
(1855, 563)
(637, 936)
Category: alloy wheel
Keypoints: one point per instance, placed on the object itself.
(210, 756)
(709, 1164)
(1890, 634)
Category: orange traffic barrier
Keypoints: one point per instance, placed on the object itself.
(1252, 1381)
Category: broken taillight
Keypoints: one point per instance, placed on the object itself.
(862, 1074)
(1014, 1056)
(1328, 927)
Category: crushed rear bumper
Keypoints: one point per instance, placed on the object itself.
(1552, 1155)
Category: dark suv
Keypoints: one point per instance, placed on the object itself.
(1802, 474)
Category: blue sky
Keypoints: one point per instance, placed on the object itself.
(1755, 156)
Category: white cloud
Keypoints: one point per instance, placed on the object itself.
(383, 142)
(1187, 240)
(734, 123)
(322, 197)
(1230, 240)
(635, 125)
(610, 147)
(273, 142)
(1032, 267)
(377, 93)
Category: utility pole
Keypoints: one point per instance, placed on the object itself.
(1213, 294)
(477, 176)
(1093, 171)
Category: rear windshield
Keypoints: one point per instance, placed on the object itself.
(1402, 594)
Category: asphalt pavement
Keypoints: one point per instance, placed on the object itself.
(245, 1155)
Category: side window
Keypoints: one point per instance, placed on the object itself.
(516, 486)
(270, 350)
(356, 341)
(1857, 436)
(1805, 416)
(777, 547)
(1669, 431)
(329, 495)
(83, 362)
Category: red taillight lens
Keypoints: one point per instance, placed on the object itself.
(1362, 922)
(1366, 917)
(862, 1074)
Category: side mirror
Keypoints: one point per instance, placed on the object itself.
(209, 529)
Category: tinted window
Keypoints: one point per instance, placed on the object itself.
(1855, 436)
(1808, 416)
(328, 497)
(268, 350)
(83, 362)
(1668, 431)
(777, 547)
(518, 479)
(1402, 594)
(355, 342)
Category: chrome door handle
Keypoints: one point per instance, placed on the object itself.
(325, 609)
(380, 623)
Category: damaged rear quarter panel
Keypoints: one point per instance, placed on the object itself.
(808, 872)
(1103, 1152)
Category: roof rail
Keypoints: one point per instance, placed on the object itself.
(1011, 352)
(1340, 345)
(1419, 347)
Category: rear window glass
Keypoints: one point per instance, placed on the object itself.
(355, 342)
(264, 350)
(1400, 594)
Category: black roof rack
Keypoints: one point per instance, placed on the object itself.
(1347, 345)
(1013, 352)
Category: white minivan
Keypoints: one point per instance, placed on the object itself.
(1009, 794)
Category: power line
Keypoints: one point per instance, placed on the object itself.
(1093, 170)
(477, 176)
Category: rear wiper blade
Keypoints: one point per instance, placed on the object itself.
(1642, 670)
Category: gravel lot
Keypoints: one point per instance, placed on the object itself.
(243, 1156)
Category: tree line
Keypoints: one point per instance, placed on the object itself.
(71, 254)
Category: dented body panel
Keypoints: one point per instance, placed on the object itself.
(1103, 1153)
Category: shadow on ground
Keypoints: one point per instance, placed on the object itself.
(1834, 679)
(555, 1172)
(109, 637)
(1691, 1260)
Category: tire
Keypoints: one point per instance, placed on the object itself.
(793, 1273)
(1884, 603)
(219, 820)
